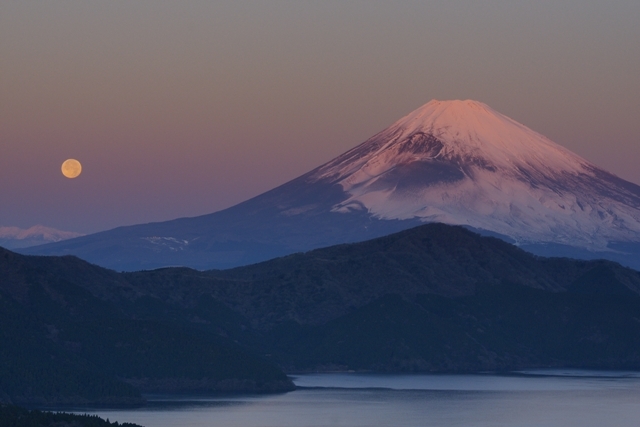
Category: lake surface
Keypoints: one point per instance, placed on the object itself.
(535, 398)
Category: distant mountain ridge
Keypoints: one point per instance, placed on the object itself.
(454, 162)
(15, 237)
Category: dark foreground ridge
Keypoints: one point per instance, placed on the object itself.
(62, 343)
(14, 416)
(434, 298)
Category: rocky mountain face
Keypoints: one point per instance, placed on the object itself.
(453, 162)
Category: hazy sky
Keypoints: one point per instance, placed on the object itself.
(184, 108)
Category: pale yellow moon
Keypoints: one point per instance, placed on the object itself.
(71, 168)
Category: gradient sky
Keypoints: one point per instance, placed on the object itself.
(184, 108)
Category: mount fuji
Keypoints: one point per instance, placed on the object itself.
(454, 162)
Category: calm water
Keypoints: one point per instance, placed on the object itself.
(551, 398)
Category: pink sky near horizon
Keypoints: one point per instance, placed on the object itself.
(184, 109)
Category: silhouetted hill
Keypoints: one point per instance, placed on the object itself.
(13, 416)
(321, 285)
(434, 298)
(66, 338)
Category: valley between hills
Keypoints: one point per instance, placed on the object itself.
(434, 298)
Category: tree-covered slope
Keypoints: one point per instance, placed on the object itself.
(433, 298)
(14, 416)
(321, 285)
(62, 344)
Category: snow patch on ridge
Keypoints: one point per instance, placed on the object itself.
(15, 237)
(171, 243)
(37, 231)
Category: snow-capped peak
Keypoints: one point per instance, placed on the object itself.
(467, 132)
(461, 162)
(15, 237)
(473, 127)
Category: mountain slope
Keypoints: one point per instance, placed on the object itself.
(460, 162)
(68, 335)
(432, 298)
(456, 162)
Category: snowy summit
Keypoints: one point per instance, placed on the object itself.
(15, 237)
(461, 162)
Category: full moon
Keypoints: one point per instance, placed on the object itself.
(71, 168)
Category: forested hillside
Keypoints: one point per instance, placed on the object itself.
(432, 299)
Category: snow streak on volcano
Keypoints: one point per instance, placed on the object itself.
(461, 162)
